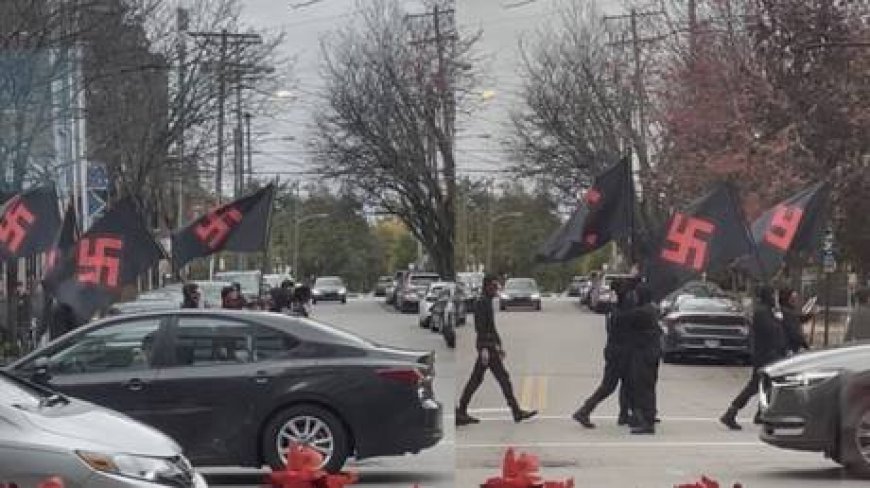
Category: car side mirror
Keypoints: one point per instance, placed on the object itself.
(40, 372)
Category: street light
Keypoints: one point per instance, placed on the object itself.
(492, 221)
(296, 224)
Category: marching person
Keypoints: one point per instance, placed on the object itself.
(768, 345)
(793, 320)
(281, 297)
(490, 356)
(301, 299)
(232, 299)
(191, 296)
(858, 327)
(645, 351)
(617, 363)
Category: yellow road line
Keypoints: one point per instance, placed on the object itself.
(528, 385)
(542, 393)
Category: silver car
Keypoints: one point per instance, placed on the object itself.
(43, 434)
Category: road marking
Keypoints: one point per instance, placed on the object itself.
(617, 444)
(528, 385)
(542, 393)
(747, 420)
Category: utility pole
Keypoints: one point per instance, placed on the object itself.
(182, 21)
(248, 146)
(693, 29)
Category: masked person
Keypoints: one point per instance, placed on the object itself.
(858, 327)
(768, 345)
(617, 362)
(191, 296)
(232, 299)
(301, 300)
(793, 320)
(490, 356)
(645, 352)
(281, 297)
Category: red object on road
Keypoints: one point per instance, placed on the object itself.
(705, 483)
(302, 471)
(522, 472)
(53, 482)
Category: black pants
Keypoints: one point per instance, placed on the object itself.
(616, 373)
(644, 377)
(496, 365)
(749, 391)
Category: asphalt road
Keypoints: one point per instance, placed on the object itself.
(432, 468)
(555, 359)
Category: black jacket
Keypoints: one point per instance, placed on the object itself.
(768, 337)
(617, 326)
(641, 330)
(281, 298)
(484, 324)
(791, 323)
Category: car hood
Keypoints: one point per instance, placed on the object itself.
(852, 357)
(97, 428)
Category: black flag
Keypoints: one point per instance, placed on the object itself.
(241, 225)
(708, 235)
(110, 255)
(29, 223)
(604, 214)
(64, 240)
(793, 225)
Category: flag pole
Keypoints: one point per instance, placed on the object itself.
(264, 267)
(632, 200)
(736, 202)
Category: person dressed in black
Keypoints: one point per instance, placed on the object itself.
(191, 297)
(645, 351)
(23, 313)
(232, 298)
(301, 300)
(617, 362)
(768, 345)
(490, 356)
(793, 320)
(281, 297)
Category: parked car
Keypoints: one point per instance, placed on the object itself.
(393, 292)
(520, 292)
(329, 288)
(280, 379)
(45, 434)
(445, 314)
(575, 288)
(412, 290)
(473, 283)
(820, 401)
(384, 283)
(449, 292)
(603, 297)
(706, 326)
(250, 281)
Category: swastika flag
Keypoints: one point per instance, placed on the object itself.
(91, 274)
(707, 235)
(241, 225)
(792, 226)
(29, 223)
(604, 213)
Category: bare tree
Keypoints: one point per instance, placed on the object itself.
(388, 119)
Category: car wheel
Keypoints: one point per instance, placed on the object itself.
(424, 323)
(538, 306)
(502, 308)
(449, 336)
(856, 441)
(314, 301)
(309, 425)
(344, 301)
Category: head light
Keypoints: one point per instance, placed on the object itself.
(505, 296)
(536, 296)
(342, 290)
(807, 378)
(316, 291)
(138, 467)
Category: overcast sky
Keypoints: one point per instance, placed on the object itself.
(502, 22)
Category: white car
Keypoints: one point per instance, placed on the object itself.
(455, 308)
(43, 434)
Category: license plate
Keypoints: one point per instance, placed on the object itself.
(711, 342)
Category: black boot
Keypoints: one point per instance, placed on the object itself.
(582, 416)
(729, 419)
(462, 418)
(520, 415)
(643, 429)
(625, 418)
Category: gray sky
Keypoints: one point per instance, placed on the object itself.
(503, 23)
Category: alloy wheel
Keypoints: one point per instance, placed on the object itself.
(308, 431)
(862, 436)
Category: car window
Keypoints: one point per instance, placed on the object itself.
(272, 345)
(124, 346)
(328, 282)
(207, 341)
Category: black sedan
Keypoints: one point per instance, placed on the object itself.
(520, 292)
(384, 282)
(820, 401)
(705, 326)
(236, 388)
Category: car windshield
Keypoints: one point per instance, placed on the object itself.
(707, 305)
(328, 282)
(248, 281)
(418, 280)
(14, 391)
(521, 285)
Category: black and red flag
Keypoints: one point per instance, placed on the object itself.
(29, 223)
(241, 225)
(604, 214)
(110, 255)
(792, 226)
(707, 235)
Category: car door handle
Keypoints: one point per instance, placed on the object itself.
(261, 378)
(134, 384)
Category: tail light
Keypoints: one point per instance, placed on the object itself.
(408, 376)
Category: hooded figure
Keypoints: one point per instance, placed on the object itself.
(192, 298)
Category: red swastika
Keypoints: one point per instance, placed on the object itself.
(687, 234)
(591, 239)
(15, 224)
(215, 227)
(783, 226)
(51, 259)
(95, 265)
(592, 197)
